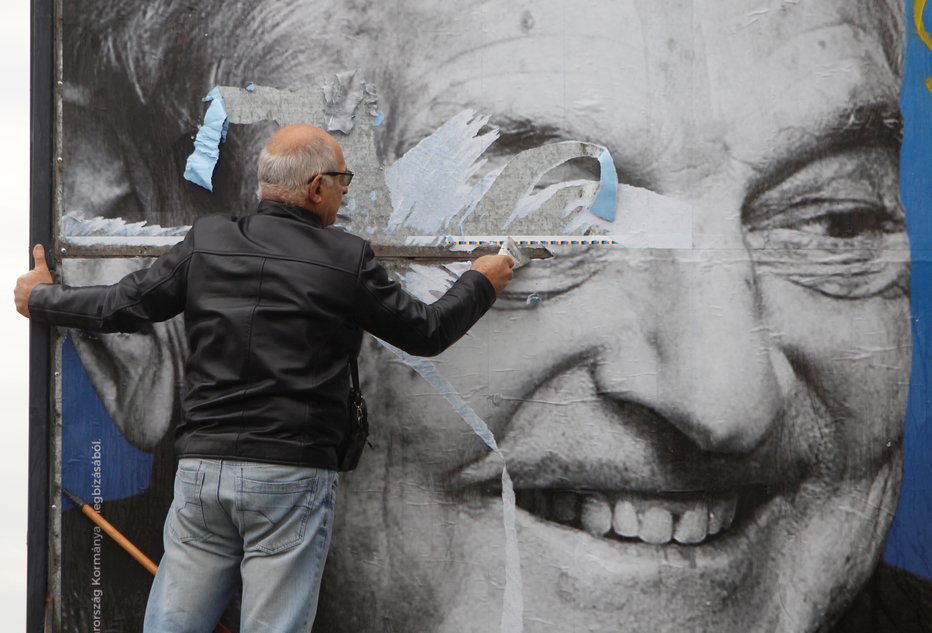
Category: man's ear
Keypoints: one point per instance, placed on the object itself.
(313, 189)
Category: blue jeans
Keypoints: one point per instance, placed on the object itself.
(268, 525)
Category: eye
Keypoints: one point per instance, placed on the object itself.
(835, 226)
(861, 221)
(852, 224)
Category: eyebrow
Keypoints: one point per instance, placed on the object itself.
(871, 124)
(516, 134)
(878, 124)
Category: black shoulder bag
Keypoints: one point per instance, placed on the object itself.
(358, 436)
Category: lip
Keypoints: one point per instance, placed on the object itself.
(623, 454)
(691, 519)
(725, 556)
(564, 507)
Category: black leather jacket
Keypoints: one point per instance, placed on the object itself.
(274, 305)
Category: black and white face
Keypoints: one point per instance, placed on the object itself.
(700, 440)
(704, 439)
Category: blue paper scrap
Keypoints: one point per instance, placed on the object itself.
(607, 198)
(199, 167)
(379, 119)
(250, 87)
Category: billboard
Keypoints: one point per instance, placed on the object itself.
(701, 406)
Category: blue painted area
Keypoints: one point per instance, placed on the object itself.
(379, 119)
(250, 87)
(909, 544)
(98, 464)
(607, 198)
(199, 167)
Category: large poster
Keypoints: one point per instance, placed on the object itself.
(702, 406)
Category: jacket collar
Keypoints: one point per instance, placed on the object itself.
(283, 209)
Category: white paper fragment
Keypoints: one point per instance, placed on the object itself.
(646, 219)
(341, 96)
(427, 283)
(96, 230)
(429, 184)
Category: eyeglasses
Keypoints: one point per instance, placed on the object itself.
(346, 177)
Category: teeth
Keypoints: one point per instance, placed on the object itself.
(656, 526)
(625, 519)
(722, 513)
(715, 519)
(596, 515)
(689, 522)
(692, 527)
(652, 520)
(731, 506)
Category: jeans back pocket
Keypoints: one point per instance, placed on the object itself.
(274, 514)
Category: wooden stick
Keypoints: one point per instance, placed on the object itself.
(121, 540)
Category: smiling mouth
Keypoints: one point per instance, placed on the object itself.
(683, 518)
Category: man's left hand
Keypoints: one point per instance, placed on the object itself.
(24, 285)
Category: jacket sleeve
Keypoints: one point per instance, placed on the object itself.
(152, 294)
(383, 308)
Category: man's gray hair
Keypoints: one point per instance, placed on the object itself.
(284, 176)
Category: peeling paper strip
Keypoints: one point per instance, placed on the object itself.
(515, 190)
(78, 230)
(153, 241)
(513, 605)
(607, 199)
(199, 167)
(438, 188)
(429, 185)
(75, 224)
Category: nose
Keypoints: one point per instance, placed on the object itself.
(719, 376)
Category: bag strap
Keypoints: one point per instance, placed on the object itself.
(354, 373)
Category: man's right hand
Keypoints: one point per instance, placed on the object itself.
(24, 285)
(497, 269)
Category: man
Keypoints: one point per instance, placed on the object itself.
(735, 410)
(274, 306)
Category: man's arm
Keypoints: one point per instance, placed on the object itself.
(152, 294)
(387, 311)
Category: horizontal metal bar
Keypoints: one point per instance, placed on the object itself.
(382, 251)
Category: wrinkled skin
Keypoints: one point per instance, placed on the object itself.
(766, 367)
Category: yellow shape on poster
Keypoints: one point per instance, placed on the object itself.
(918, 8)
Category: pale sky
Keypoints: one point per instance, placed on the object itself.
(14, 333)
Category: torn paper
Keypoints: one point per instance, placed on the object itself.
(199, 167)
